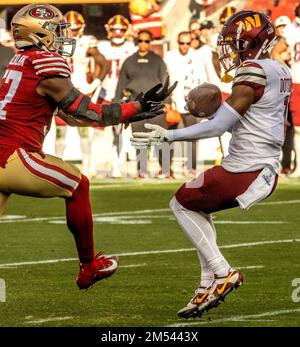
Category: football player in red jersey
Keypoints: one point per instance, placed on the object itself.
(36, 83)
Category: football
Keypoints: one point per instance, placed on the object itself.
(204, 100)
(139, 7)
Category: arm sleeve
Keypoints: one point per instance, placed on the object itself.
(224, 119)
(104, 114)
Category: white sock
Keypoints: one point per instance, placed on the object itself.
(200, 230)
(207, 276)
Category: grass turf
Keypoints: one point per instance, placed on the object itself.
(148, 288)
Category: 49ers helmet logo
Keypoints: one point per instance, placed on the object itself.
(41, 13)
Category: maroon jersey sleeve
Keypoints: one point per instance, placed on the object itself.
(253, 75)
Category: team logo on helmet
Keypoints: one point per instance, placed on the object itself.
(41, 13)
(250, 22)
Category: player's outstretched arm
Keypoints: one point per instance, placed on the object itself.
(227, 115)
(71, 101)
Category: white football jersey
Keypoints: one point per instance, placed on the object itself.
(259, 134)
(80, 63)
(291, 34)
(188, 71)
(116, 55)
(204, 54)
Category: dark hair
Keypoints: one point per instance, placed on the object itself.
(145, 31)
(183, 33)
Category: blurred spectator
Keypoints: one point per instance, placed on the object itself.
(281, 52)
(209, 33)
(139, 72)
(267, 12)
(207, 53)
(145, 14)
(226, 13)
(116, 49)
(194, 29)
(195, 7)
(6, 53)
(184, 67)
(291, 34)
(280, 23)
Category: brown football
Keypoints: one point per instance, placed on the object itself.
(204, 100)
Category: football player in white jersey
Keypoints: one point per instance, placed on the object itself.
(88, 68)
(291, 34)
(255, 113)
(116, 49)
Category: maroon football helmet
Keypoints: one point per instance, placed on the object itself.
(245, 35)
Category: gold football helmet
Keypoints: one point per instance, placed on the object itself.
(44, 26)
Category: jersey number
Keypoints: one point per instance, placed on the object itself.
(297, 52)
(15, 77)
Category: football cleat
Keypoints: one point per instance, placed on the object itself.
(102, 267)
(221, 287)
(197, 304)
(213, 295)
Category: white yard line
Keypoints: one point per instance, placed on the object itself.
(251, 267)
(133, 265)
(236, 318)
(21, 219)
(50, 319)
(5, 219)
(284, 202)
(235, 245)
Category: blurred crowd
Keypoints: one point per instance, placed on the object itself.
(131, 60)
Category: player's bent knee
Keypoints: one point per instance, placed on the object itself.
(83, 187)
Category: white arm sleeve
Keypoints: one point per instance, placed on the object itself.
(223, 120)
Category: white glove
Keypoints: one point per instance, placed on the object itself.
(157, 136)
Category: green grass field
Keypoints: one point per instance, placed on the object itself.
(158, 270)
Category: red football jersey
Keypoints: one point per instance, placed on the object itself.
(25, 116)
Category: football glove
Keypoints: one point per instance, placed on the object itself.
(152, 97)
(157, 136)
(156, 110)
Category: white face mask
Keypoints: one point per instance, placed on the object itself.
(118, 40)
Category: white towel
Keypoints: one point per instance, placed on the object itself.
(258, 189)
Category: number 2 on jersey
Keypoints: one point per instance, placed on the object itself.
(15, 77)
